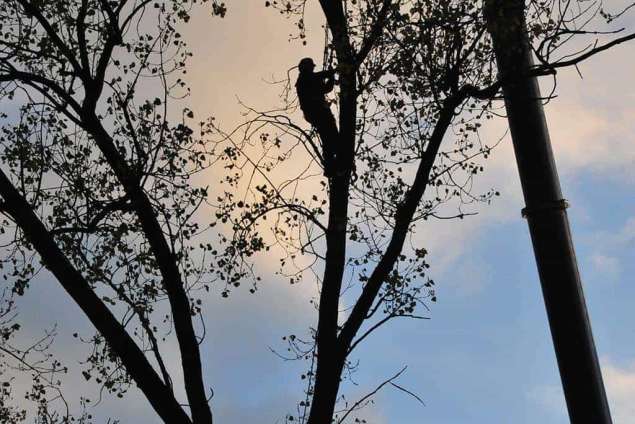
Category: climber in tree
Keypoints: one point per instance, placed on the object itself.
(312, 88)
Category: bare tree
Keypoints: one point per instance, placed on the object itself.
(95, 187)
(412, 73)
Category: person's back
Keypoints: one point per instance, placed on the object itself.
(309, 91)
(312, 88)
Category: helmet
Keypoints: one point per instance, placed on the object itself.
(306, 65)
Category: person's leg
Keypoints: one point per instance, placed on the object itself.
(327, 128)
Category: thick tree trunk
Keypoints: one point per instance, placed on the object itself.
(330, 360)
(330, 356)
(327, 384)
(333, 348)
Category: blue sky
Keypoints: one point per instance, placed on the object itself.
(486, 354)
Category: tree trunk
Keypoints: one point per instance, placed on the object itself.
(327, 384)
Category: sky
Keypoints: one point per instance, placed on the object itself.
(486, 355)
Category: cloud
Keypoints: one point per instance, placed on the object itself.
(609, 249)
(591, 121)
(621, 239)
(619, 382)
(608, 265)
(620, 387)
(587, 139)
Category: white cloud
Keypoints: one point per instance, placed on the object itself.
(610, 249)
(620, 388)
(591, 122)
(621, 239)
(590, 139)
(608, 265)
(619, 382)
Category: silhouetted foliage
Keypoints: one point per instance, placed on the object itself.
(95, 181)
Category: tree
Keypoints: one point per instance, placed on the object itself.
(409, 73)
(96, 183)
(95, 187)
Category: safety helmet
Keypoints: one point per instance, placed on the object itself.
(306, 65)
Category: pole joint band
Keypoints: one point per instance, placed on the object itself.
(561, 204)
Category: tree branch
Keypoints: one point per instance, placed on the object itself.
(586, 55)
(137, 365)
(371, 394)
(81, 35)
(375, 33)
(28, 78)
(172, 280)
(403, 218)
(32, 10)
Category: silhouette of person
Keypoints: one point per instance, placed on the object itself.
(312, 88)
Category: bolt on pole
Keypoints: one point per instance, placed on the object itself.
(546, 216)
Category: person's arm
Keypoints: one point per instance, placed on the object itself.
(329, 75)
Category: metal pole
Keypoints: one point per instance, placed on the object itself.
(547, 217)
